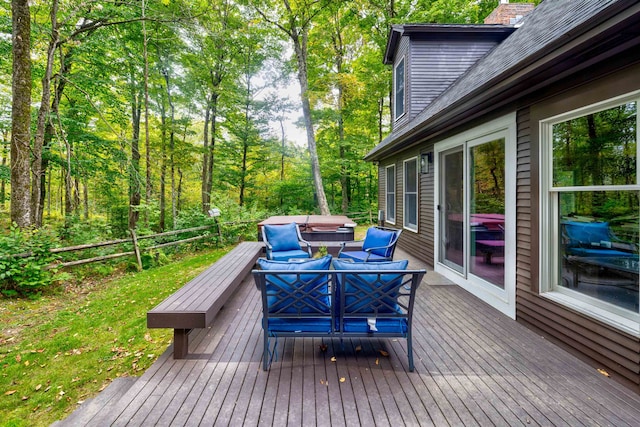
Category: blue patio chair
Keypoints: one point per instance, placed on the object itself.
(378, 245)
(284, 242)
(594, 239)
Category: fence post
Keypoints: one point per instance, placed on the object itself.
(136, 249)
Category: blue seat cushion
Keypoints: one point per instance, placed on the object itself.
(282, 237)
(287, 255)
(292, 293)
(383, 326)
(369, 293)
(376, 238)
(319, 325)
(362, 256)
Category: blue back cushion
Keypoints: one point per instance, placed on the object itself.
(376, 238)
(282, 237)
(281, 289)
(588, 232)
(368, 292)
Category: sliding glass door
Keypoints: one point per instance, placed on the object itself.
(475, 212)
(451, 209)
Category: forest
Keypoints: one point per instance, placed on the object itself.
(135, 112)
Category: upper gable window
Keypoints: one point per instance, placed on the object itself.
(399, 89)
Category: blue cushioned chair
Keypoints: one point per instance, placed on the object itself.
(284, 242)
(378, 245)
(369, 303)
(594, 239)
(297, 299)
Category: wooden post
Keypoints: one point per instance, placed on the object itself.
(136, 249)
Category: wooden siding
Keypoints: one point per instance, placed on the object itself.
(598, 344)
(420, 244)
(435, 64)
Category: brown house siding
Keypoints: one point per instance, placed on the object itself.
(601, 345)
(420, 244)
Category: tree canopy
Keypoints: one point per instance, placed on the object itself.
(138, 111)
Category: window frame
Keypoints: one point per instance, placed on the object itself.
(390, 211)
(405, 194)
(549, 253)
(399, 115)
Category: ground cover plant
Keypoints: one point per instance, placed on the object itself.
(62, 349)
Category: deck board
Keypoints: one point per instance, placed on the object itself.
(474, 366)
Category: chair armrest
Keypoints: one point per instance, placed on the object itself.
(343, 245)
(308, 244)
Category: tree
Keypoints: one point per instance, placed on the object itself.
(21, 114)
(295, 18)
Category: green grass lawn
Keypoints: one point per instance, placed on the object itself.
(60, 350)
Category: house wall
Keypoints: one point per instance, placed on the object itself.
(420, 244)
(437, 63)
(599, 344)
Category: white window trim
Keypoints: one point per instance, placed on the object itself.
(386, 193)
(397, 117)
(503, 300)
(549, 267)
(404, 194)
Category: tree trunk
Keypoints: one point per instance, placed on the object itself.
(163, 164)
(134, 173)
(145, 53)
(21, 114)
(68, 183)
(43, 117)
(300, 45)
(172, 133)
(206, 200)
(212, 146)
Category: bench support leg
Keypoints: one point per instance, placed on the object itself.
(180, 343)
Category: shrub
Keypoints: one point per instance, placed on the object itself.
(24, 257)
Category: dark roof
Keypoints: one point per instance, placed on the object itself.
(552, 25)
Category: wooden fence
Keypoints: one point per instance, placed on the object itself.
(134, 240)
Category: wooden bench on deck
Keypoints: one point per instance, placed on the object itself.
(196, 304)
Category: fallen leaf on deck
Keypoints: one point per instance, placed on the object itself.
(333, 359)
(384, 353)
(342, 379)
(358, 348)
(603, 372)
(377, 361)
(323, 347)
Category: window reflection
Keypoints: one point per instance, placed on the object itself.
(599, 239)
(487, 211)
(596, 149)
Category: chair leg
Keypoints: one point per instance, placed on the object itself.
(410, 352)
(265, 352)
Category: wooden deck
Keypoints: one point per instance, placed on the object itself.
(474, 366)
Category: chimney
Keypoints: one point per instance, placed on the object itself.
(508, 13)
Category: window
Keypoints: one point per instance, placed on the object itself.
(411, 194)
(592, 209)
(399, 85)
(391, 194)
